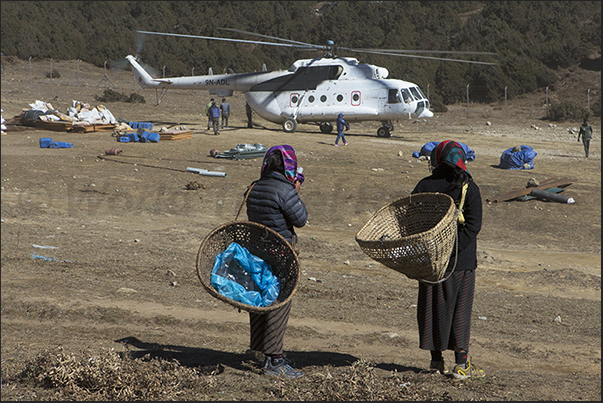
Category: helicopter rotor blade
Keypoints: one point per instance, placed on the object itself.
(423, 57)
(317, 47)
(458, 52)
(225, 39)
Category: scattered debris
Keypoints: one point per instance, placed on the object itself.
(547, 185)
(3, 126)
(80, 117)
(244, 151)
(46, 142)
(549, 195)
(206, 172)
(194, 185)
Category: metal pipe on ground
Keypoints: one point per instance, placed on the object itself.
(206, 172)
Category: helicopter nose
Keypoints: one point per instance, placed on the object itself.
(426, 114)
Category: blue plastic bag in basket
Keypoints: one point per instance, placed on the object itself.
(243, 277)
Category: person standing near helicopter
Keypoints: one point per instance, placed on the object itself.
(249, 114)
(341, 125)
(225, 108)
(214, 115)
(207, 113)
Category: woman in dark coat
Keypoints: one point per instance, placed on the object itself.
(273, 201)
(444, 308)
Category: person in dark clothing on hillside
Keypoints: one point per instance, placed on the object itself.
(444, 308)
(273, 200)
(586, 131)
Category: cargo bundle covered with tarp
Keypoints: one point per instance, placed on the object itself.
(521, 157)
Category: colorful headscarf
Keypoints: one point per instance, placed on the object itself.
(449, 152)
(289, 161)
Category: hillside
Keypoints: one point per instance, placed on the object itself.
(532, 40)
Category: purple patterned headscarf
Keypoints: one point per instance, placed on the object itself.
(289, 160)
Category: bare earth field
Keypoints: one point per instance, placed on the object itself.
(100, 298)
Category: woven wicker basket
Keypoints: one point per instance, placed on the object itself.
(262, 242)
(414, 235)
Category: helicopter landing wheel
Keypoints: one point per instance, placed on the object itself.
(326, 127)
(290, 125)
(384, 132)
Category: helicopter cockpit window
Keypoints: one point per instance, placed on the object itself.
(406, 95)
(416, 92)
(393, 97)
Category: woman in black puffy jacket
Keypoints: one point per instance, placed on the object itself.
(273, 201)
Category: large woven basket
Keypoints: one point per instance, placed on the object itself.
(414, 235)
(262, 242)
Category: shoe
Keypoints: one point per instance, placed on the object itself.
(438, 367)
(470, 372)
(279, 366)
(336, 145)
(345, 144)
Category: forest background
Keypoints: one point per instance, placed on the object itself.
(533, 40)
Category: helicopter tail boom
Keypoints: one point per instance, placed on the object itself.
(227, 82)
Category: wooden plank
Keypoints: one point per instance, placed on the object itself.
(555, 182)
(94, 127)
(175, 135)
(59, 126)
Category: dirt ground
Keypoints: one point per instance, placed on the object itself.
(99, 256)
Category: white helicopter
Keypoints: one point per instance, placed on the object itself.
(313, 90)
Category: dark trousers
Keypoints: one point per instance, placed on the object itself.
(215, 122)
(586, 143)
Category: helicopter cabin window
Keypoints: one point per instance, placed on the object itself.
(393, 97)
(311, 99)
(294, 99)
(323, 98)
(406, 95)
(339, 98)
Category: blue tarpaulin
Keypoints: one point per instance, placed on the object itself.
(522, 158)
(428, 147)
(241, 276)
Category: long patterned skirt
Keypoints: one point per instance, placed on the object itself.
(444, 312)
